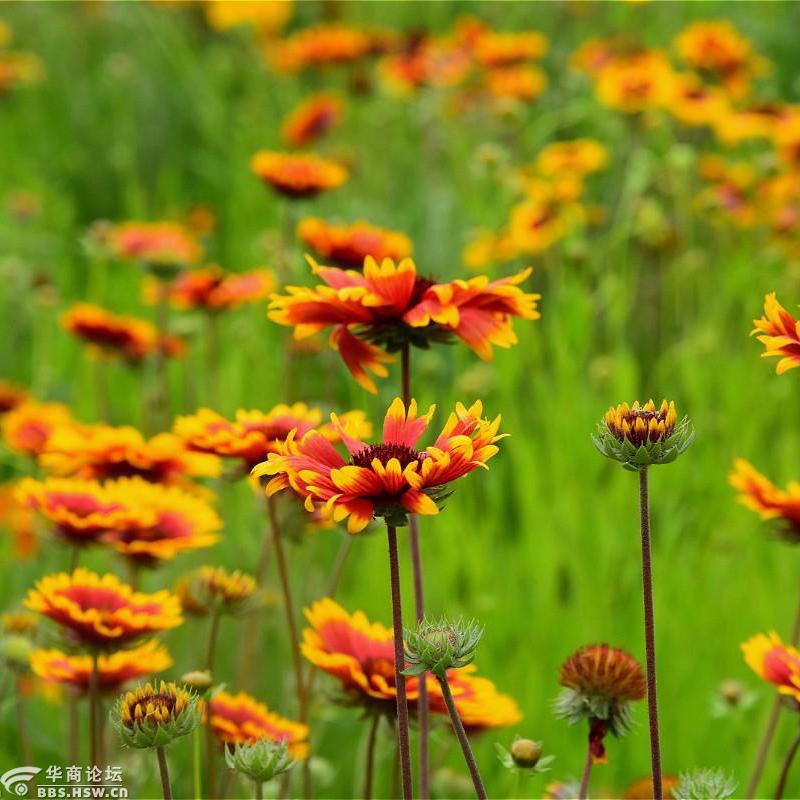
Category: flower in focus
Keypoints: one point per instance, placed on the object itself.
(311, 120)
(253, 435)
(775, 662)
(116, 335)
(576, 156)
(29, 427)
(100, 611)
(390, 305)
(240, 718)
(212, 289)
(780, 335)
(163, 521)
(113, 669)
(389, 479)
(104, 451)
(155, 717)
(638, 436)
(81, 512)
(636, 83)
(762, 496)
(11, 396)
(479, 703)
(320, 46)
(600, 684)
(348, 245)
(267, 17)
(298, 175)
(155, 244)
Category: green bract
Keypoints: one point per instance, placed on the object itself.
(575, 707)
(705, 784)
(436, 647)
(262, 760)
(635, 458)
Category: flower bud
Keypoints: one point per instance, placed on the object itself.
(731, 692)
(438, 647)
(261, 760)
(199, 680)
(526, 752)
(16, 651)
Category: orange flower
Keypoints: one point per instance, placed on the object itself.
(636, 83)
(238, 718)
(780, 334)
(391, 305)
(775, 662)
(29, 427)
(731, 195)
(265, 16)
(595, 54)
(19, 521)
(253, 435)
(360, 654)
(321, 46)
(163, 521)
(114, 335)
(311, 120)
(575, 156)
(388, 479)
(538, 223)
(517, 83)
(19, 622)
(113, 670)
(213, 289)
(100, 611)
(348, 245)
(759, 494)
(693, 103)
(103, 451)
(297, 175)
(425, 61)
(81, 512)
(506, 49)
(643, 788)
(11, 396)
(156, 244)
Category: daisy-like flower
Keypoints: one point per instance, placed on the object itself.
(104, 451)
(636, 83)
(348, 245)
(29, 427)
(154, 244)
(163, 521)
(228, 592)
(576, 156)
(101, 611)
(389, 479)
(311, 120)
(518, 82)
(12, 396)
(539, 222)
(390, 306)
(239, 718)
(298, 175)
(321, 46)
(600, 684)
(81, 512)
(493, 49)
(775, 662)
(213, 289)
(253, 435)
(758, 493)
(780, 334)
(693, 103)
(116, 335)
(113, 669)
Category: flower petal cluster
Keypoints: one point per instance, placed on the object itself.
(758, 493)
(158, 245)
(775, 662)
(347, 246)
(311, 120)
(780, 334)
(298, 175)
(28, 427)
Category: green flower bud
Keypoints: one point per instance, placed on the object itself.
(526, 752)
(436, 647)
(16, 651)
(705, 784)
(261, 760)
(199, 680)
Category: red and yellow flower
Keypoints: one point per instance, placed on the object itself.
(759, 494)
(388, 479)
(21, 622)
(321, 46)
(298, 175)
(575, 156)
(19, 521)
(348, 245)
(494, 49)
(156, 244)
(101, 611)
(113, 669)
(311, 120)
(391, 305)
(104, 451)
(636, 83)
(537, 223)
(775, 662)
(693, 103)
(29, 427)
(240, 718)
(81, 512)
(519, 82)
(780, 334)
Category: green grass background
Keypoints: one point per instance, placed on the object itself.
(144, 112)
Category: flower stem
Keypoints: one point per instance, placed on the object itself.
(787, 763)
(161, 398)
(259, 790)
(162, 768)
(369, 768)
(212, 359)
(772, 723)
(587, 772)
(650, 636)
(419, 602)
(72, 729)
(22, 734)
(461, 735)
(213, 635)
(211, 773)
(196, 758)
(291, 625)
(93, 698)
(399, 663)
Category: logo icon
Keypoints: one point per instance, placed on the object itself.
(16, 780)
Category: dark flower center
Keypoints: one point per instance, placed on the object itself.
(384, 453)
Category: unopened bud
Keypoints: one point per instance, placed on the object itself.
(526, 752)
(197, 679)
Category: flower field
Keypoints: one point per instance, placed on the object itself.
(319, 314)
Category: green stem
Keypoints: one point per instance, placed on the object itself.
(259, 790)
(93, 698)
(22, 731)
(164, 772)
(213, 635)
(196, 758)
(369, 768)
(787, 763)
(461, 735)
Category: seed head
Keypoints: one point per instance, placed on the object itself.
(436, 647)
